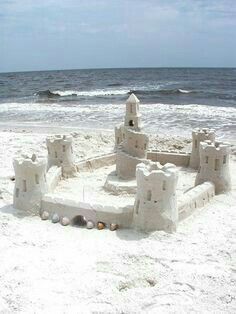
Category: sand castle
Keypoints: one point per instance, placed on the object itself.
(133, 187)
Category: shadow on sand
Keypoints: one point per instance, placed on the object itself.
(9, 209)
(131, 235)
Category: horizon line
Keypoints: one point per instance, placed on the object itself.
(123, 68)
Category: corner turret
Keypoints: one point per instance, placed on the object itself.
(214, 165)
(155, 204)
(60, 153)
(199, 135)
(30, 183)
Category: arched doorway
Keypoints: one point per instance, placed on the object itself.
(79, 221)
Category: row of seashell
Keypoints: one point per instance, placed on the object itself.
(65, 221)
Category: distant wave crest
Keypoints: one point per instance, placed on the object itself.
(71, 93)
(161, 91)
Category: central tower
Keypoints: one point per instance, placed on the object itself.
(132, 115)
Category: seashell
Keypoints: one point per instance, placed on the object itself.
(113, 227)
(55, 218)
(45, 215)
(65, 221)
(90, 224)
(100, 225)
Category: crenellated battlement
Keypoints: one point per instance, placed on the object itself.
(219, 148)
(33, 162)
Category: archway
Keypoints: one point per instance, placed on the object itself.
(79, 221)
(131, 123)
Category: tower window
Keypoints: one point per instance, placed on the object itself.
(217, 164)
(206, 159)
(37, 179)
(145, 146)
(164, 185)
(195, 143)
(224, 159)
(136, 144)
(63, 148)
(131, 123)
(55, 154)
(137, 207)
(48, 151)
(17, 192)
(24, 186)
(149, 195)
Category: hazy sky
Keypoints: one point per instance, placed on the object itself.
(66, 34)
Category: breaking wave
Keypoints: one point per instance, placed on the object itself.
(71, 93)
(161, 91)
(109, 92)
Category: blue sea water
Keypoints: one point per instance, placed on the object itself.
(173, 100)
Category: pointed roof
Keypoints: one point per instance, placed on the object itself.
(132, 99)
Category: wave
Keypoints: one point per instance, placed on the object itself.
(48, 94)
(172, 91)
(71, 93)
(115, 84)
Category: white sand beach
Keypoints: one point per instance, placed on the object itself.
(47, 268)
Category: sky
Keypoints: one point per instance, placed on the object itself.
(72, 34)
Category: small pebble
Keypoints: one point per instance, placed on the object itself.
(113, 227)
(65, 221)
(45, 215)
(100, 225)
(55, 218)
(90, 224)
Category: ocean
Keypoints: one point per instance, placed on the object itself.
(173, 100)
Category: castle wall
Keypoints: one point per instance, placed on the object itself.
(214, 165)
(53, 177)
(30, 183)
(135, 143)
(180, 159)
(198, 136)
(96, 162)
(195, 198)
(155, 203)
(93, 212)
(126, 165)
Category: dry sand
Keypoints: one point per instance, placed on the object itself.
(47, 268)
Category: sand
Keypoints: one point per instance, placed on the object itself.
(47, 268)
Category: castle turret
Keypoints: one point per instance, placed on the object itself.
(133, 151)
(199, 135)
(214, 165)
(155, 204)
(60, 153)
(132, 115)
(30, 183)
